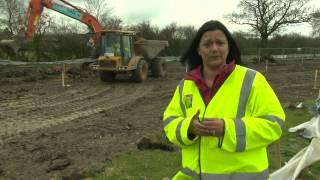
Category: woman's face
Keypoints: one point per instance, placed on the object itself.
(213, 49)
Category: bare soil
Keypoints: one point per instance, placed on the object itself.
(50, 131)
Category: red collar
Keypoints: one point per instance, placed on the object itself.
(196, 76)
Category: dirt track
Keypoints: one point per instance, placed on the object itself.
(48, 131)
(33, 113)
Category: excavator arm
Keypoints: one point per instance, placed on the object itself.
(35, 10)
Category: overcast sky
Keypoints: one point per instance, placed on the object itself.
(184, 12)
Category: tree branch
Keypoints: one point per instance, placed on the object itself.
(268, 16)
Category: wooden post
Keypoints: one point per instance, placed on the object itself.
(267, 64)
(277, 154)
(62, 75)
(259, 56)
(284, 57)
(315, 79)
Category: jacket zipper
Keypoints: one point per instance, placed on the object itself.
(199, 152)
(219, 140)
(199, 161)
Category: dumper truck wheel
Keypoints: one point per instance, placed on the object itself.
(159, 68)
(106, 76)
(141, 73)
(85, 66)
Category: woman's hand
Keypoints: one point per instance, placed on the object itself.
(208, 127)
(215, 126)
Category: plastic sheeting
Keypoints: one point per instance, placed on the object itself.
(307, 155)
(308, 129)
(297, 163)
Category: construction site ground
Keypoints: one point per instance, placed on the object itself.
(48, 131)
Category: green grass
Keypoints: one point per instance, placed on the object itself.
(136, 165)
(156, 164)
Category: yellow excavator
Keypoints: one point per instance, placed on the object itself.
(116, 51)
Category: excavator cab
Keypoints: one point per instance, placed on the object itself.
(116, 54)
(111, 45)
(116, 46)
(122, 52)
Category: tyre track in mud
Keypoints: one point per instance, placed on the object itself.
(23, 120)
(74, 96)
(34, 100)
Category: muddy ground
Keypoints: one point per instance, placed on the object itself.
(48, 131)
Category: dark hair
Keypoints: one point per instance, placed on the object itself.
(191, 56)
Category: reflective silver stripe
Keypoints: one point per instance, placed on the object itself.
(264, 175)
(190, 173)
(178, 130)
(178, 133)
(168, 120)
(181, 84)
(171, 118)
(244, 96)
(245, 92)
(240, 135)
(274, 119)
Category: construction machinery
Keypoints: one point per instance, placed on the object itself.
(121, 52)
(116, 51)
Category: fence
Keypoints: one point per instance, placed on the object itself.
(280, 54)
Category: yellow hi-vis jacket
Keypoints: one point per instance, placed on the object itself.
(253, 119)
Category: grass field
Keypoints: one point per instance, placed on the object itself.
(156, 164)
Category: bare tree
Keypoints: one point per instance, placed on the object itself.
(169, 32)
(114, 23)
(184, 35)
(146, 30)
(12, 14)
(269, 16)
(186, 32)
(45, 24)
(100, 9)
(315, 22)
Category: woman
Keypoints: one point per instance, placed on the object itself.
(222, 115)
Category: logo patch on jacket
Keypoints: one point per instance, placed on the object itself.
(188, 100)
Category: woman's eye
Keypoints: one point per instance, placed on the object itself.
(208, 44)
(220, 43)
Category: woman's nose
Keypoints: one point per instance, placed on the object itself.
(214, 47)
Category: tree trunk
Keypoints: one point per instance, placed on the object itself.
(264, 42)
